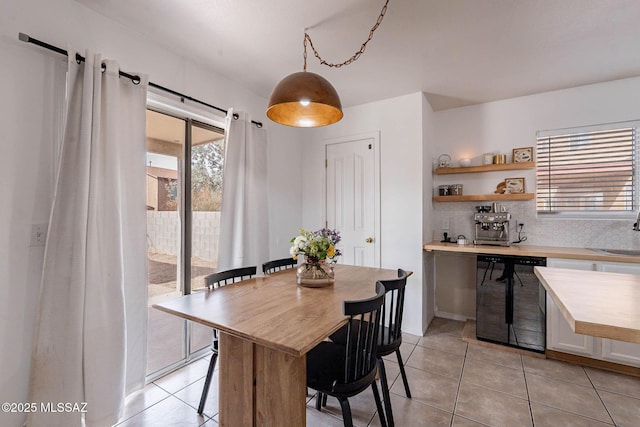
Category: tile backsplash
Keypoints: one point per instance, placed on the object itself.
(581, 233)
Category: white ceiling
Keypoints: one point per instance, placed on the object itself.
(458, 52)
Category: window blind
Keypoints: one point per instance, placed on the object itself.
(580, 171)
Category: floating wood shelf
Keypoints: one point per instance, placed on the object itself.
(487, 168)
(485, 197)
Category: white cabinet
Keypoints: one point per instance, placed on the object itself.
(573, 264)
(626, 353)
(619, 267)
(560, 337)
(619, 351)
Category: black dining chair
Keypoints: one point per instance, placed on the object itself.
(213, 281)
(278, 264)
(390, 335)
(343, 370)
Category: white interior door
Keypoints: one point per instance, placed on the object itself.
(352, 198)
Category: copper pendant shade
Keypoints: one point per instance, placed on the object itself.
(304, 99)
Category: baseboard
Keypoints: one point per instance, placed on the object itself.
(451, 316)
(593, 363)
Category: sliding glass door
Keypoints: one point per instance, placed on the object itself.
(183, 224)
(166, 139)
(207, 160)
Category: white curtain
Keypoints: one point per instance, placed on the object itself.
(90, 343)
(244, 221)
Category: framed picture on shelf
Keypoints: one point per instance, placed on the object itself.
(524, 154)
(514, 185)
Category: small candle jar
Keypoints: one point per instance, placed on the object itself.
(499, 159)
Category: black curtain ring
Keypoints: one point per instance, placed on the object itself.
(236, 116)
(136, 80)
(78, 58)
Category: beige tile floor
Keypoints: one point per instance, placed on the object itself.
(453, 384)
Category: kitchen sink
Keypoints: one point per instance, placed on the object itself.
(625, 252)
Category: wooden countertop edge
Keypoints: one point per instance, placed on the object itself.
(605, 331)
(614, 332)
(529, 250)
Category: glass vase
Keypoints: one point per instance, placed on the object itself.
(315, 273)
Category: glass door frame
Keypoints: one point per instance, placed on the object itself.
(191, 119)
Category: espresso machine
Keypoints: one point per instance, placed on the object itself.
(492, 228)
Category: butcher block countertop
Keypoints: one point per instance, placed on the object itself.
(529, 250)
(596, 303)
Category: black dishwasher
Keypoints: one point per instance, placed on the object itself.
(510, 301)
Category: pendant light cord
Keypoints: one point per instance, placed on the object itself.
(355, 56)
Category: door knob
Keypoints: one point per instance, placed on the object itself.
(369, 240)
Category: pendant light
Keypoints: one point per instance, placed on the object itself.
(306, 99)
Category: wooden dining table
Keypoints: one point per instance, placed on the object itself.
(267, 325)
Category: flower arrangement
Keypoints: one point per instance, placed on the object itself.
(316, 245)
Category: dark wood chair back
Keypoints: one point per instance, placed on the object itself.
(345, 369)
(278, 264)
(390, 336)
(221, 278)
(362, 336)
(389, 339)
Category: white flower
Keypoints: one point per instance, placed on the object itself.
(316, 245)
(300, 242)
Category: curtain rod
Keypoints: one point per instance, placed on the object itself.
(135, 79)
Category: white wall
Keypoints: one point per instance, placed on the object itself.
(28, 129)
(504, 125)
(399, 121)
(285, 187)
(429, 282)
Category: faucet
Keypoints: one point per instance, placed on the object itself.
(636, 225)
